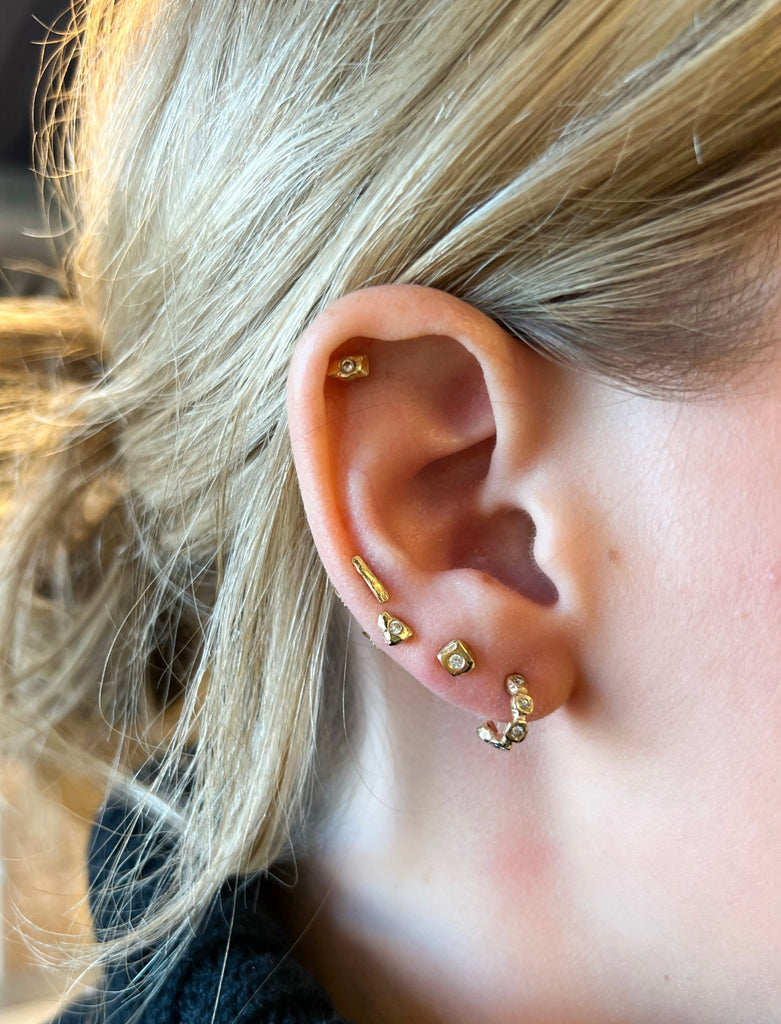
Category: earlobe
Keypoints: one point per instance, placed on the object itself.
(412, 420)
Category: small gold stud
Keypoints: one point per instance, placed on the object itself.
(393, 630)
(349, 367)
(370, 579)
(456, 658)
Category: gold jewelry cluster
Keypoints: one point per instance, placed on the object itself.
(456, 656)
(457, 659)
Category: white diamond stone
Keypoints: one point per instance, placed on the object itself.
(457, 662)
(395, 627)
(347, 365)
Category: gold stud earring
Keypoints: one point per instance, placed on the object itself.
(349, 367)
(370, 579)
(456, 658)
(516, 730)
(393, 630)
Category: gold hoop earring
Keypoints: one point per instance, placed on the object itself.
(516, 730)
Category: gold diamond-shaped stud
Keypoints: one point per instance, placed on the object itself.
(393, 630)
(456, 658)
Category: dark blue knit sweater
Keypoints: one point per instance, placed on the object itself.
(236, 969)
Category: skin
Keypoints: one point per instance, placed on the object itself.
(621, 866)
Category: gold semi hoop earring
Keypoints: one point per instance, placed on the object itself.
(516, 730)
(370, 579)
(348, 367)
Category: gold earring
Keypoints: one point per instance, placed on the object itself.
(456, 658)
(393, 630)
(370, 579)
(516, 730)
(349, 367)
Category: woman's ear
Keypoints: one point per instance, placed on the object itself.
(416, 423)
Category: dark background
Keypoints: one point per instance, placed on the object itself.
(26, 255)
(20, 36)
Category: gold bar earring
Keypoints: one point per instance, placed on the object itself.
(370, 579)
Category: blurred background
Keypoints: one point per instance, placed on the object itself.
(43, 823)
(23, 27)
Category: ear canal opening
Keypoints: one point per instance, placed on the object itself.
(499, 543)
(502, 546)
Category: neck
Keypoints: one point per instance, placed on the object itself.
(460, 883)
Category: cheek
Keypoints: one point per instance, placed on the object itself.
(683, 688)
(685, 563)
(698, 590)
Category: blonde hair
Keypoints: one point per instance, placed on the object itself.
(587, 173)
